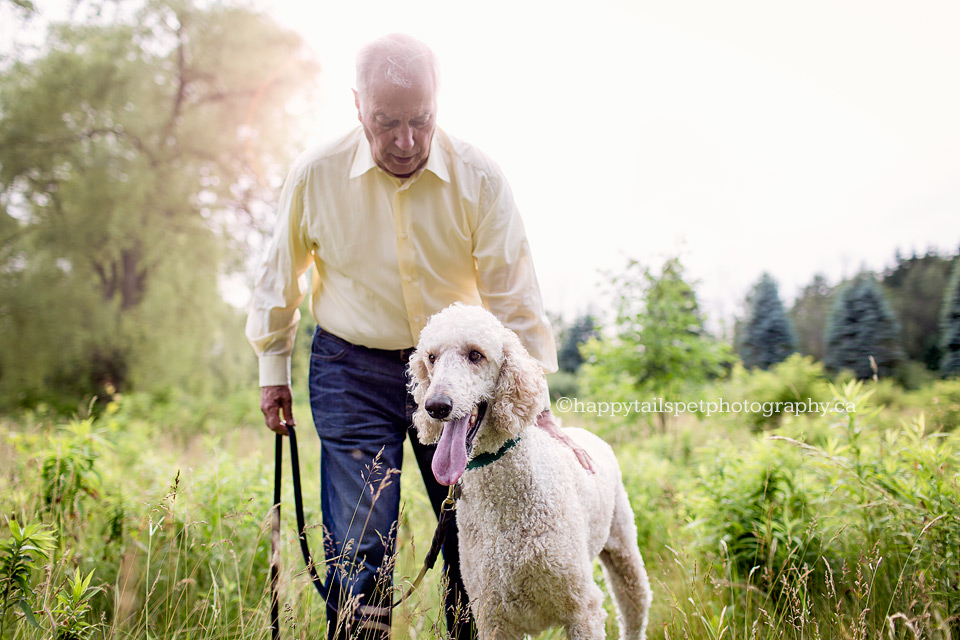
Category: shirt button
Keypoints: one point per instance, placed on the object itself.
(417, 319)
(403, 235)
(409, 278)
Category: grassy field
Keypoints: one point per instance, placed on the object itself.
(148, 518)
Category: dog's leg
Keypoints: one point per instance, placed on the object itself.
(493, 629)
(624, 571)
(588, 621)
(502, 633)
(490, 626)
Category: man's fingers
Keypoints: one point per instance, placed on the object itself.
(272, 418)
(287, 407)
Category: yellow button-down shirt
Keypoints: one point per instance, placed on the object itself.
(388, 252)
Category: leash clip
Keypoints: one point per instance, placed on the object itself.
(450, 502)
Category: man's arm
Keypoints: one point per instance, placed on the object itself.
(272, 322)
(508, 287)
(506, 279)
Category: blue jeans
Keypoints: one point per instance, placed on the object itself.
(363, 414)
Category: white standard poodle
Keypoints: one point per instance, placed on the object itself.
(531, 518)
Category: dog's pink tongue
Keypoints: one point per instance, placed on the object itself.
(450, 459)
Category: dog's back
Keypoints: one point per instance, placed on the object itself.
(531, 525)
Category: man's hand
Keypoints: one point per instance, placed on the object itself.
(273, 400)
(546, 422)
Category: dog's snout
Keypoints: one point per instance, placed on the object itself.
(439, 406)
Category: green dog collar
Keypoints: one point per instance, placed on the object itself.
(484, 459)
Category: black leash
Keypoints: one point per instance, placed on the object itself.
(443, 524)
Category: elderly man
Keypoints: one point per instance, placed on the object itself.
(399, 220)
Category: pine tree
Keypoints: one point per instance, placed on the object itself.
(860, 326)
(950, 324)
(767, 336)
(914, 286)
(582, 329)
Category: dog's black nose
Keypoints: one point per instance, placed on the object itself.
(439, 406)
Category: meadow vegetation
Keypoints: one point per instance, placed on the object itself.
(142, 148)
(148, 517)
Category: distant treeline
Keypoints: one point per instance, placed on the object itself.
(902, 323)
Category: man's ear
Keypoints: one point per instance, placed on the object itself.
(356, 101)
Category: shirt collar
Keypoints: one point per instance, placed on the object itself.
(363, 160)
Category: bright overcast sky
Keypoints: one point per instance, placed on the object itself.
(796, 138)
(804, 137)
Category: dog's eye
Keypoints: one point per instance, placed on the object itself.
(432, 358)
(475, 356)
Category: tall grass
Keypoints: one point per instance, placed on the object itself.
(841, 526)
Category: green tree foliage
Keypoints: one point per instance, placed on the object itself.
(767, 336)
(809, 317)
(861, 326)
(950, 324)
(583, 329)
(659, 346)
(914, 288)
(136, 156)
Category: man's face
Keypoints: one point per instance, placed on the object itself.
(399, 123)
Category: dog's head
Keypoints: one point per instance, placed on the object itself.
(475, 386)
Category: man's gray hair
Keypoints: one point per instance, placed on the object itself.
(397, 58)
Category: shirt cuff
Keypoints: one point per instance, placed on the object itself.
(274, 371)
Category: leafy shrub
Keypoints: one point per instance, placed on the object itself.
(798, 379)
(651, 491)
(757, 510)
(941, 400)
(19, 556)
(912, 375)
(68, 469)
(73, 608)
(880, 505)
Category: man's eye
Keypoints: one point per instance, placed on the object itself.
(475, 356)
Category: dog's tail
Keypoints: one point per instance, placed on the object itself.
(625, 573)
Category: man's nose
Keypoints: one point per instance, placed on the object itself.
(404, 139)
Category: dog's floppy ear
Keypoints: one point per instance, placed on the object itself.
(520, 388)
(418, 383)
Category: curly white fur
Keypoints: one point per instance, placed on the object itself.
(532, 522)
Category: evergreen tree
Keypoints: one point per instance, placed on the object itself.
(809, 317)
(767, 336)
(578, 333)
(950, 324)
(914, 287)
(860, 326)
